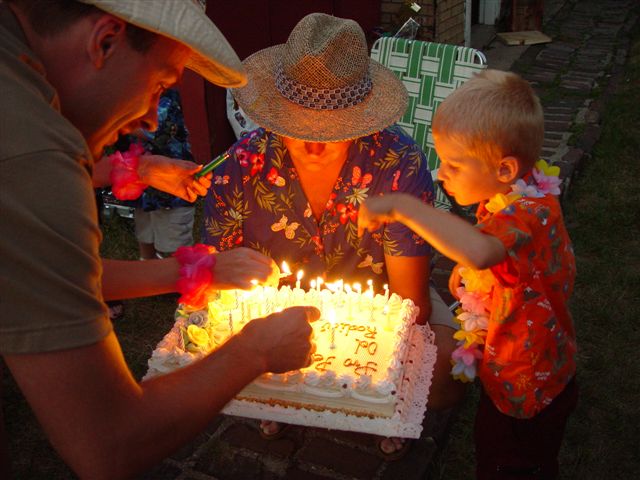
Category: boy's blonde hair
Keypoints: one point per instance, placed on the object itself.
(493, 115)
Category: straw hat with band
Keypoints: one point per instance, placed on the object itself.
(321, 86)
(186, 22)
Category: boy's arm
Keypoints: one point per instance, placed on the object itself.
(450, 235)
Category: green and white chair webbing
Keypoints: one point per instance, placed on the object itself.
(430, 72)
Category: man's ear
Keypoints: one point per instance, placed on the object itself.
(508, 169)
(108, 32)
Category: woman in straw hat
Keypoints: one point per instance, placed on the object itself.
(293, 187)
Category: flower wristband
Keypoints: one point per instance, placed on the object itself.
(196, 274)
(125, 180)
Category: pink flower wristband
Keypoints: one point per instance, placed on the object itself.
(125, 180)
(196, 274)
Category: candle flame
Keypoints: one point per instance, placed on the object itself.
(331, 316)
(285, 270)
(300, 274)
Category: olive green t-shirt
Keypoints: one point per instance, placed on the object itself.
(50, 269)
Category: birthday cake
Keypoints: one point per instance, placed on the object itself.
(359, 365)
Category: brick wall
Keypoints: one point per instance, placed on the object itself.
(450, 21)
(440, 20)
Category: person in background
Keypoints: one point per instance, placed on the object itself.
(515, 271)
(163, 222)
(292, 188)
(74, 76)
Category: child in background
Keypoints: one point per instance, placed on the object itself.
(165, 222)
(514, 274)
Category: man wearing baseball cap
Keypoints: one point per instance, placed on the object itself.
(73, 76)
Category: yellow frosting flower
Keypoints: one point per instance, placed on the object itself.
(227, 299)
(198, 336)
(548, 170)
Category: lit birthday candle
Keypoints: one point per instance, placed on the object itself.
(386, 292)
(285, 271)
(331, 316)
(348, 289)
(358, 289)
(371, 294)
(299, 276)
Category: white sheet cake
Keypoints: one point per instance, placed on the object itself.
(359, 364)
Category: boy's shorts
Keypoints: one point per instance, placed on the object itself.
(440, 313)
(165, 229)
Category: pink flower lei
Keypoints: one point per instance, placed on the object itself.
(125, 181)
(474, 294)
(196, 275)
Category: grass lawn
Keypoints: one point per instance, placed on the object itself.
(604, 223)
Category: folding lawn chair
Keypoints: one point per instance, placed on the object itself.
(430, 72)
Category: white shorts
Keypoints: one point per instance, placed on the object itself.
(165, 229)
(440, 313)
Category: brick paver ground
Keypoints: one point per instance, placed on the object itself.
(571, 75)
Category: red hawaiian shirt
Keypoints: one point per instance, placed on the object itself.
(530, 349)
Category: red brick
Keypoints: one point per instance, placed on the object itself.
(340, 459)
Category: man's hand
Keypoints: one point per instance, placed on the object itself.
(375, 212)
(236, 268)
(173, 176)
(282, 340)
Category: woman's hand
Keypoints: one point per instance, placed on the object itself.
(173, 176)
(236, 268)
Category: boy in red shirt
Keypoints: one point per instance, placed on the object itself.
(514, 275)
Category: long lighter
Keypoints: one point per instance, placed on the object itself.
(213, 164)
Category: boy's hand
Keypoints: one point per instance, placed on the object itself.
(173, 176)
(375, 212)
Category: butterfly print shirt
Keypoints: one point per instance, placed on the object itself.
(256, 201)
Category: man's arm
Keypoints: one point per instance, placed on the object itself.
(122, 279)
(106, 425)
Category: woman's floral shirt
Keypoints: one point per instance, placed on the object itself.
(530, 345)
(256, 201)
